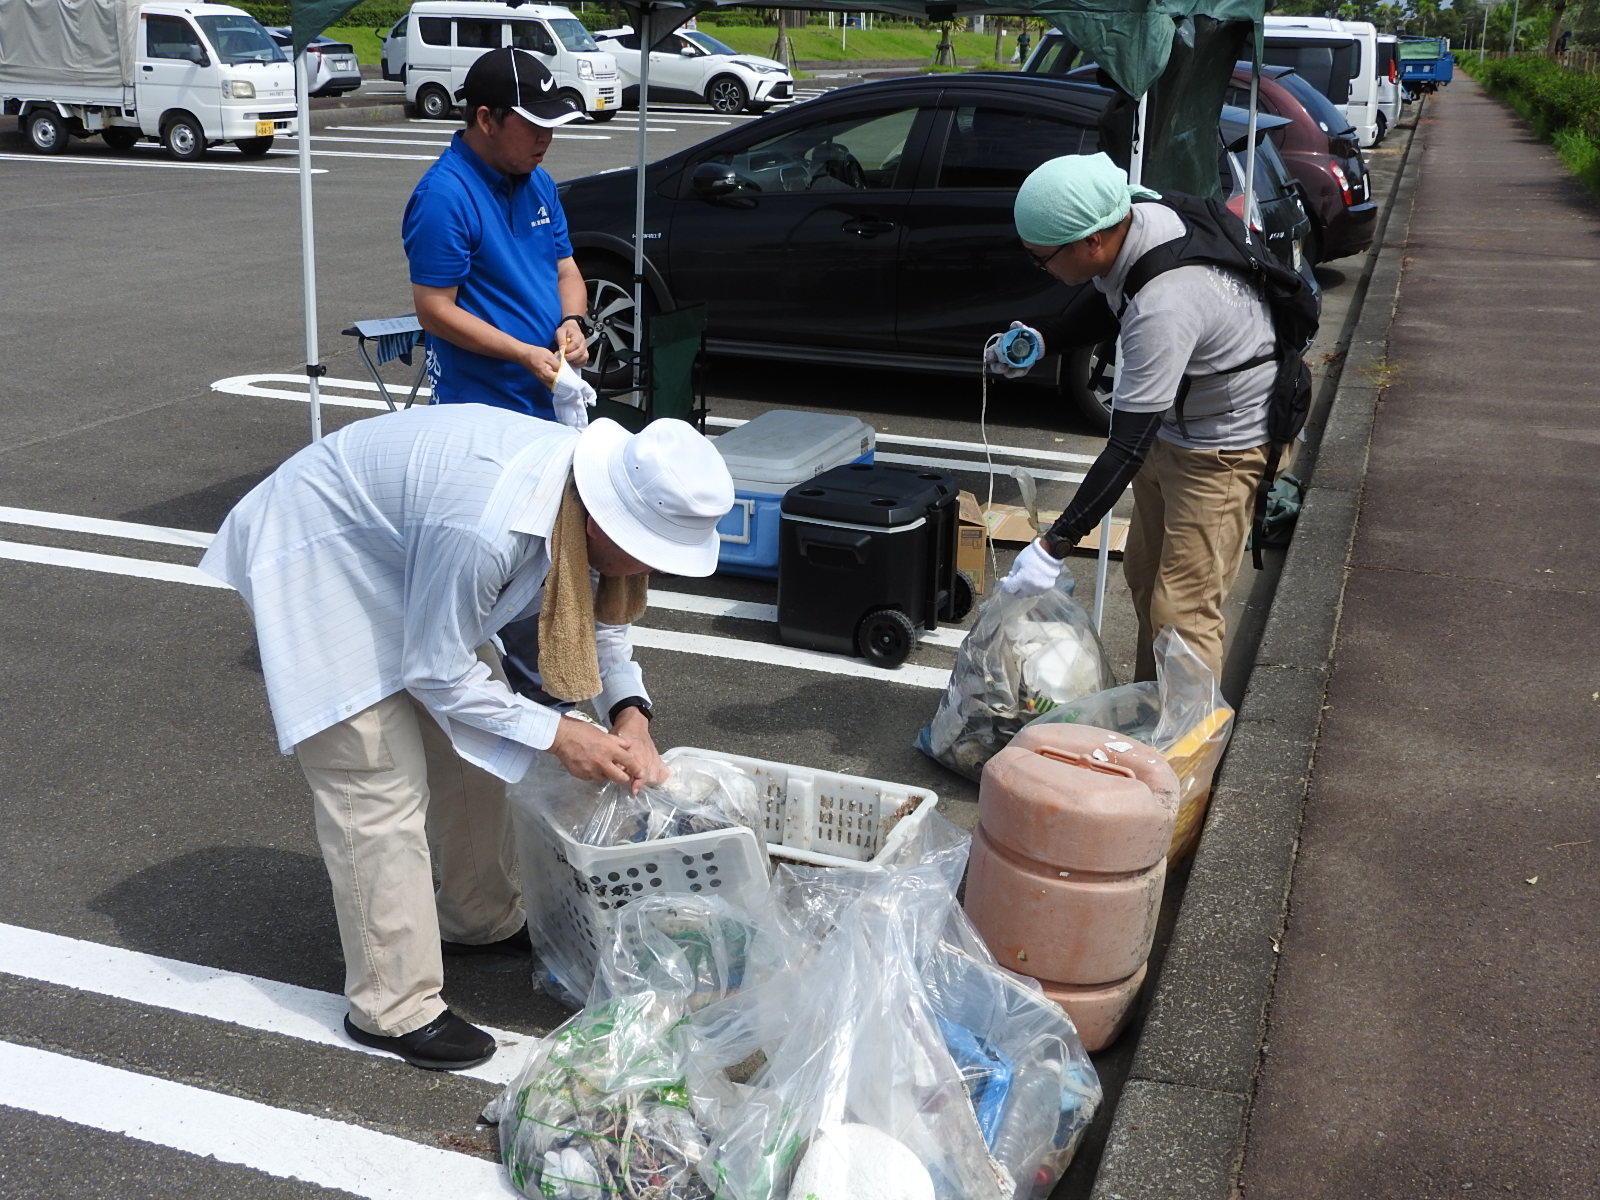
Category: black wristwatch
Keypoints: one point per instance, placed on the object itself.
(586, 325)
(638, 702)
(1056, 547)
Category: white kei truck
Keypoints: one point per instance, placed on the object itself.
(189, 75)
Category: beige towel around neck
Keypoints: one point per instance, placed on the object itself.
(569, 665)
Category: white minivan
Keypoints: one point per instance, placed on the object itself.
(1391, 96)
(1338, 58)
(432, 48)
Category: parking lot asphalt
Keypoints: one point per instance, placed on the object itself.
(1381, 981)
(123, 733)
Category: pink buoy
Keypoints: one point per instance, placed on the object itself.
(1068, 864)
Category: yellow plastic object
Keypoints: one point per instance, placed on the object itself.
(1193, 759)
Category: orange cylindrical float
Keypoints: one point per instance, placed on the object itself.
(1068, 863)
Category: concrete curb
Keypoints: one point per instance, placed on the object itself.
(1180, 1128)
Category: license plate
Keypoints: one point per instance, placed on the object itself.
(600, 102)
(263, 128)
(343, 64)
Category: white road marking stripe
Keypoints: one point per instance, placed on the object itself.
(787, 656)
(120, 529)
(684, 643)
(251, 385)
(750, 610)
(265, 1005)
(273, 1141)
(108, 564)
(901, 439)
(84, 160)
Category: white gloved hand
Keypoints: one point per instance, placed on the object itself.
(573, 397)
(996, 363)
(1035, 571)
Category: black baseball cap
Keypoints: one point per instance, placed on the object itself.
(515, 79)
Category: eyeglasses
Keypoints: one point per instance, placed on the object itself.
(1043, 261)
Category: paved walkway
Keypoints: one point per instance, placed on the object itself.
(1403, 1003)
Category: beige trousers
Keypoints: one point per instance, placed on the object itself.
(394, 805)
(1191, 518)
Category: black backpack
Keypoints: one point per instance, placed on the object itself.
(1217, 238)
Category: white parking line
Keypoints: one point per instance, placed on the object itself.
(264, 1005)
(85, 160)
(272, 1141)
(703, 645)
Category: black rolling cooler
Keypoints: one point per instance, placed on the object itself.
(867, 561)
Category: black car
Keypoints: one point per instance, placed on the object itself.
(870, 227)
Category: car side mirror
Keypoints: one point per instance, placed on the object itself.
(197, 55)
(713, 179)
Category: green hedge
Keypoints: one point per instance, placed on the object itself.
(1562, 106)
(374, 14)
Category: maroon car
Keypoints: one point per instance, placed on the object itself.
(1319, 148)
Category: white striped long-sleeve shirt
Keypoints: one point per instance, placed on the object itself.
(379, 558)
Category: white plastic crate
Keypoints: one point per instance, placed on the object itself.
(571, 889)
(825, 818)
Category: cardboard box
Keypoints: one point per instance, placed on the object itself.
(1009, 524)
(972, 548)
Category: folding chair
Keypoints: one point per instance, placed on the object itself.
(389, 339)
(670, 383)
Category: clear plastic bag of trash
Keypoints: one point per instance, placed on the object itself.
(1182, 715)
(1023, 656)
(699, 795)
(906, 1065)
(604, 1107)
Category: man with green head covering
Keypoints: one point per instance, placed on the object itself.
(1185, 333)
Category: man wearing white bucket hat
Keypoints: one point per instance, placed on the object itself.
(378, 564)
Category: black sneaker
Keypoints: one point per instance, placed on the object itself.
(518, 943)
(446, 1043)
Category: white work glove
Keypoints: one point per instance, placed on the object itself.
(573, 397)
(995, 363)
(1034, 573)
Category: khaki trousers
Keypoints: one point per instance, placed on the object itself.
(1191, 517)
(394, 804)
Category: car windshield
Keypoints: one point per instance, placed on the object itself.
(708, 43)
(240, 39)
(1328, 65)
(1322, 110)
(572, 33)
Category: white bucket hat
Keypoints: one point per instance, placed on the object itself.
(658, 494)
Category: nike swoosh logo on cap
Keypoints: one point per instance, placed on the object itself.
(546, 84)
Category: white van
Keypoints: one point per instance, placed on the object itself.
(187, 75)
(1338, 58)
(1391, 96)
(443, 38)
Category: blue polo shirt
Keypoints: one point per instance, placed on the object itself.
(497, 240)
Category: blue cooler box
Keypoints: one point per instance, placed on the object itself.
(766, 457)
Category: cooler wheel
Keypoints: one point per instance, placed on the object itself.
(959, 603)
(886, 637)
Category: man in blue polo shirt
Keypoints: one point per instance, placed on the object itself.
(492, 273)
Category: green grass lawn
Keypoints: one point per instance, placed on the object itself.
(900, 43)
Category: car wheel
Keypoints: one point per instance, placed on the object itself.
(885, 637)
(726, 94)
(254, 147)
(1383, 127)
(1313, 246)
(120, 140)
(433, 102)
(610, 285)
(184, 138)
(46, 131)
(1091, 402)
(603, 115)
